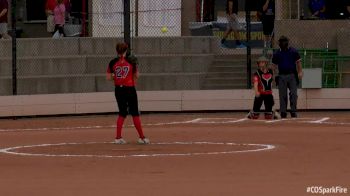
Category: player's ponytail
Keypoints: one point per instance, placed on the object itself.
(121, 48)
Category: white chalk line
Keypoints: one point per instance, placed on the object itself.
(323, 120)
(288, 119)
(320, 120)
(261, 147)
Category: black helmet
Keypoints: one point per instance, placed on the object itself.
(283, 39)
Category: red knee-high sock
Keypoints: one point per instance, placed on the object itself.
(120, 122)
(137, 124)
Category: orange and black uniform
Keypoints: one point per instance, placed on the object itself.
(124, 69)
(264, 81)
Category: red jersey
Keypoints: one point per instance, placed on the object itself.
(123, 71)
(50, 5)
(264, 81)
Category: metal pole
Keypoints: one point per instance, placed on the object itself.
(249, 55)
(14, 50)
(83, 18)
(202, 10)
(290, 9)
(136, 18)
(127, 38)
(299, 13)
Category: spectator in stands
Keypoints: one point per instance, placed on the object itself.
(49, 9)
(232, 23)
(347, 5)
(338, 9)
(318, 8)
(267, 17)
(59, 17)
(4, 19)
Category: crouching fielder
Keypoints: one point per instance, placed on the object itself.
(262, 80)
(123, 71)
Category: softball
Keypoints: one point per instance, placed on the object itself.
(164, 29)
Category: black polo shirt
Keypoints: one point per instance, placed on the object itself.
(286, 60)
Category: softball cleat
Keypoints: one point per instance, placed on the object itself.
(143, 141)
(252, 115)
(119, 141)
(276, 115)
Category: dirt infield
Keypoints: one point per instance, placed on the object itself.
(204, 154)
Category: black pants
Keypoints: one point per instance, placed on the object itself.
(59, 28)
(127, 100)
(268, 102)
(268, 24)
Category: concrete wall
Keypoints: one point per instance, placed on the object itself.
(87, 74)
(36, 47)
(76, 65)
(170, 101)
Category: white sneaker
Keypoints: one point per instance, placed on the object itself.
(119, 141)
(143, 141)
(276, 115)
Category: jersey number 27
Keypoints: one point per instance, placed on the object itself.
(122, 72)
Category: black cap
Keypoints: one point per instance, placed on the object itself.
(283, 38)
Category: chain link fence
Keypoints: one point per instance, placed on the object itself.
(318, 30)
(169, 58)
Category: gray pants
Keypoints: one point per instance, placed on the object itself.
(288, 82)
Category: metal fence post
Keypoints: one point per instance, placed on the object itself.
(126, 11)
(249, 55)
(14, 48)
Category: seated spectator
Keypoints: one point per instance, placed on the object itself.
(338, 9)
(318, 8)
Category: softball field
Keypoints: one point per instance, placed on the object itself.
(204, 154)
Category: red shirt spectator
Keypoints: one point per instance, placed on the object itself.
(50, 6)
(3, 11)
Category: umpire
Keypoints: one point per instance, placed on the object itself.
(288, 61)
